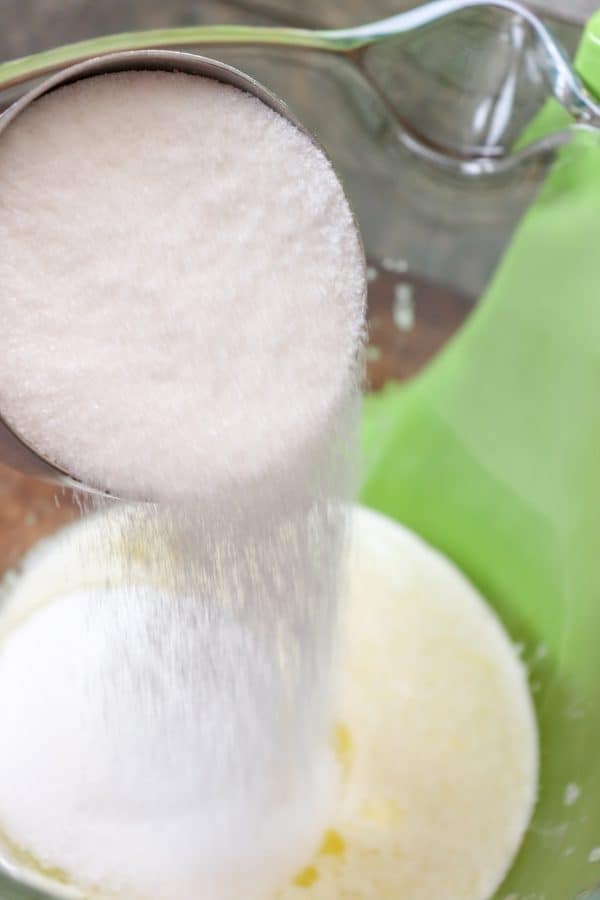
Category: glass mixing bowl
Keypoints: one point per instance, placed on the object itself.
(490, 446)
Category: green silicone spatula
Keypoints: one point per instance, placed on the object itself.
(493, 455)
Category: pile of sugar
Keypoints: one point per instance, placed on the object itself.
(186, 748)
(182, 296)
(181, 287)
(435, 738)
(127, 784)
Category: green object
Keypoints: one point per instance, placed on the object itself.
(553, 117)
(587, 61)
(493, 455)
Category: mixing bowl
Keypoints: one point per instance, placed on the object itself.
(482, 430)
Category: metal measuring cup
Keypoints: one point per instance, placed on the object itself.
(15, 450)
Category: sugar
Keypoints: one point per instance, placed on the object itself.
(117, 769)
(168, 744)
(182, 287)
(182, 296)
(436, 739)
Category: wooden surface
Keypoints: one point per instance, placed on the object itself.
(410, 320)
(29, 511)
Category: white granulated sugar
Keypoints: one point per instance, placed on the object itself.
(436, 738)
(182, 293)
(190, 658)
(182, 287)
(121, 750)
